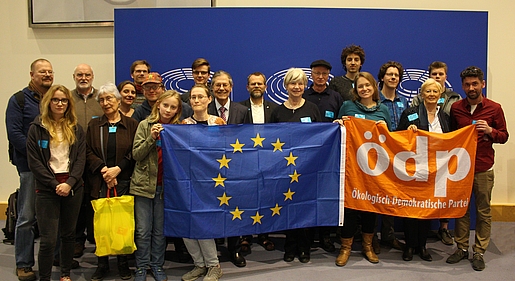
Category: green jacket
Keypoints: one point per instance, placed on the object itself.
(144, 152)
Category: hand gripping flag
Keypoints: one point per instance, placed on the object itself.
(222, 181)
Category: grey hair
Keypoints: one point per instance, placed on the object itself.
(108, 88)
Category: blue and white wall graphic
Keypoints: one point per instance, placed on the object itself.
(271, 40)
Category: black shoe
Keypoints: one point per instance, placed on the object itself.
(424, 254)
(304, 257)
(394, 244)
(328, 245)
(238, 260)
(100, 273)
(288, 257)
(123, 268)
(407, 255)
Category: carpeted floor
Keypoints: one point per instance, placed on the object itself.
(263, 265)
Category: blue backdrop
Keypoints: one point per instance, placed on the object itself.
(271, 40)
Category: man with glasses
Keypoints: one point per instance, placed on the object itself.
(22, 108)
(139, 72)
(232, 113)
(389, 77)
(153, 88)
(327, 100)
(86, 108)
(200, 71)
(488, 118)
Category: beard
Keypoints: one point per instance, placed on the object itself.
(256, 94)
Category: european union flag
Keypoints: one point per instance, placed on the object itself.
(222, 181)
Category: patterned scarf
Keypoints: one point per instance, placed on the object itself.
(40, 91)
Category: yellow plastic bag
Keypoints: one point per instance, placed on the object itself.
(114, 225)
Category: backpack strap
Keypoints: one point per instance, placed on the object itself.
(20, 99)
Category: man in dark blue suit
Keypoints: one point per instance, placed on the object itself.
(259, 109)
(232, 113)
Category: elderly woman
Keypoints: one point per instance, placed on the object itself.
(364, 104)
(56, 152)
(427, 116)
(127, 90)
(109, 156)
(296, 109)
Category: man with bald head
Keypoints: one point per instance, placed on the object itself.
(22, 108)
(86, 108)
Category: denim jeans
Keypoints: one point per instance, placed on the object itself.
(57, 215)
(149, 236)
(24, 237)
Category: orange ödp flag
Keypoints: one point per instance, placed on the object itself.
(406, 174)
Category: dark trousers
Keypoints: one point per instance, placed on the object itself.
(416, 231)
(56, 215)
(297, 241)
(84, 229)
(352, 220)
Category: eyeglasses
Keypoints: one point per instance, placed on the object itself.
(197, 72)
(151, 87)
(220, 85)
(197, 97)
(46, 72)
(319, 73)
(57, 101)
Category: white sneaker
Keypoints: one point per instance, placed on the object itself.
(213, 273)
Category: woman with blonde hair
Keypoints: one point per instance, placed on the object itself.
(427, 116)
(56, 150)
(147, 187)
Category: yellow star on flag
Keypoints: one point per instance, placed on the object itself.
(278, 145)
(258, 140)
(295, 176)
(257, 218)
(291, 159)
(236, 214)
(219, 180)
(276, 210)
(224, 162)
(288, 195)
(237, 146)
(224, 199)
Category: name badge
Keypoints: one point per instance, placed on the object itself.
(43, 143)
(413, 116)
(400, 104)
(440, 101)
(112, 129)
(158, 143)
(360, 116)
(305, 119)
(329, 114)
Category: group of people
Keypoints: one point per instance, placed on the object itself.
(74, 146)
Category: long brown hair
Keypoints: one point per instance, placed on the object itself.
(67, 123)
